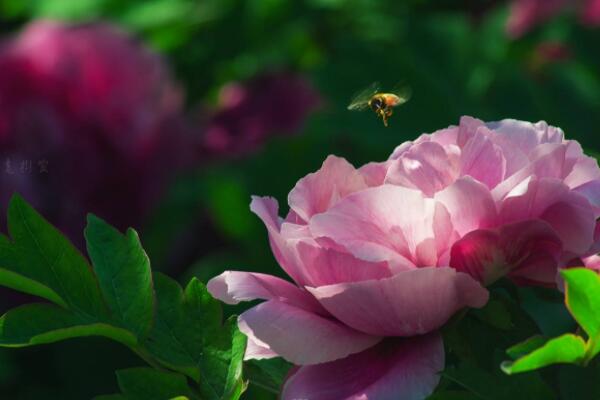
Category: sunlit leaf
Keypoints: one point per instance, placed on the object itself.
(582, 296)
(567, 348)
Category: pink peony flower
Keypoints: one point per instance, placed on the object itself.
(526, 14)
(93, 115)
(542, 195)
(382, 256)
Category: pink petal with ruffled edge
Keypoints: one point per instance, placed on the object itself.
(396, 369)
(386, 223)
(327, 266)
(483, 160)
(320, 190)
(413, 302)
(374, 173)
(283, 248)
(299, 336)
(569, 213)
(469, 203)
(256, 350)
(231, 287)
(425, 166)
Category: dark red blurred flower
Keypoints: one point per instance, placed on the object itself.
(248, 113)
(548, 53)
(89, 122)
(526, 14)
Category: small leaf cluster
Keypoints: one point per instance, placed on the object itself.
(178, 331)
(582, 298)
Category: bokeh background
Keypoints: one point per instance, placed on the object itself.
(166, 115)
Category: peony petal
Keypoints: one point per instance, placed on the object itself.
(528, 252)
(385, 223)
(425, 166)
(283, 249)
(548, 161)
(318, 191)
(328, 266)
(570, 214)
(256, 350)
(374, 172)
(412, 302)
(483, 160)
(299, 336)
(396, 369)
(469, 203)
(231, 287)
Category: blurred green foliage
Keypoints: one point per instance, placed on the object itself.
(454, 54)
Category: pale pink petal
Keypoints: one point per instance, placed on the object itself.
(374, 173)
(284, 251)
(584, 169)
(255, 350)
(425, 166)
(483, 160)
(467, 128)
(591, 191)
(518, 139)
(469, 203)
(318, 191)
(569, 213)
(526, 135)
(412, 302)
(328, 266)
(231, 287)
(549, 161)
(385, 223)
(592, 262)
(299, 336)
(528, 252)
(396, 369)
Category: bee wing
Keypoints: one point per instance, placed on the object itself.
(360, 100)
(403, 91)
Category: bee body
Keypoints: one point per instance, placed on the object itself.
(381, 103)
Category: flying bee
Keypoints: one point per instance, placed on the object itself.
(381, 103)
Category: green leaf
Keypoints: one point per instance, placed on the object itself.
(582, 296)
(34, 324)
(111, 397)
(124, 275)
(453, 395)
(567, 348)
(267, 374)
(526, 347)
(188, 336)
(496, 385)
(151, 384)
(40, 261)
(495, 314)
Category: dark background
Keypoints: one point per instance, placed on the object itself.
(456, 55)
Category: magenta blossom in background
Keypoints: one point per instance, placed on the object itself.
(526, 14)
(89, 122)
(382, 256)
(248, 113)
